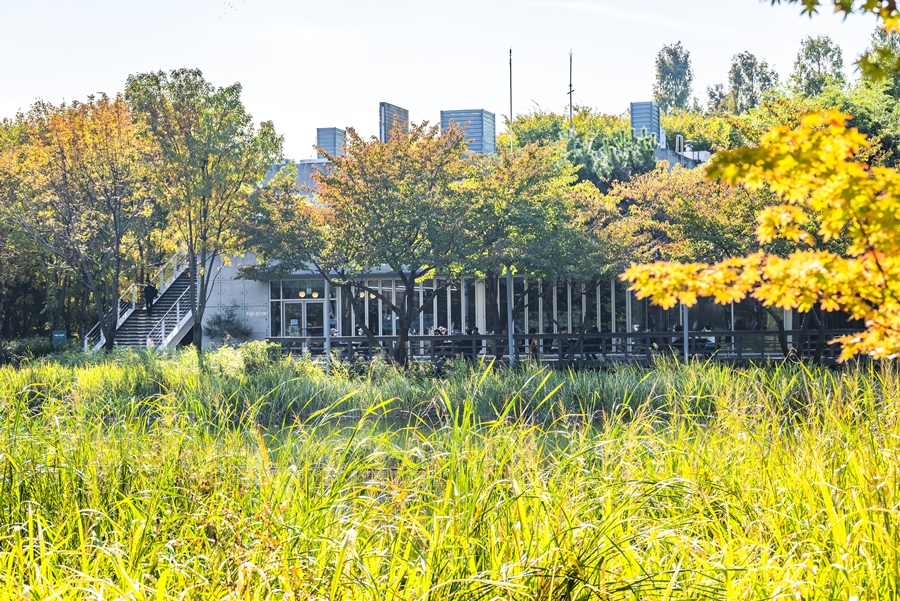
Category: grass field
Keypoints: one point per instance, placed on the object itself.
(147, 477)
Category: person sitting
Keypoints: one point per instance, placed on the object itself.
(363, 347)
(707, 344)
(476, 343)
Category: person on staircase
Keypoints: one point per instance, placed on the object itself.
(150, 294)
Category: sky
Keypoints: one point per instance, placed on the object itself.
(328, 63)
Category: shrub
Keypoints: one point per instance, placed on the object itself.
(225, 326)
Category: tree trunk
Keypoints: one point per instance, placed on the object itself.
(401, 351)
(196, 290)
(492, 310)
(2, 322)
(359, 312)
(800, 344)
(782, 335)
(820, 339)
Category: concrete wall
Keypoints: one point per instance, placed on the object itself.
(251, 297)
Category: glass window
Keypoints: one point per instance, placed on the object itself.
(605, 300)
(455, 308)
(275, 290)
(372, 313)
(470, 303)
(332, 315)
(428, 311)
(293, 319)
(441, 315)
(347, 312)
(302, 289)
(576, 292)
(532, 308)
(400, 301)
(387, 316)
(500, 326)
(275, 311)
(518, 304)
(590, 307)
(620, 308)
(562, 307)
(549, 317)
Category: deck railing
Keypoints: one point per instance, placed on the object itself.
(590, 348)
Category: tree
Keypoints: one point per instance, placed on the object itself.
(602, 147)
(748, 80)
(522, 217)
(711, 131)
(688, 217)
(621, 156)
(397, 204)
(815, 172)
(716, 98)
(211, 160)
(287, 230)
(881, 61)
(79, 193)
(819, 63)
(674, 77)
(887, 44)
(692, 218)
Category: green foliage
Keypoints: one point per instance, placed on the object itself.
(748, 80)
(674, 77)
(621, 156)
(711, 132)
(819, 63)
(74, 178)
(545, 127)
(211, 159)
(602, 147)
(521, 210)
(225, 326)
(396, 204)
(137, 476)
(692, 218)
(24, 349)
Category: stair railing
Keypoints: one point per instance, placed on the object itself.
(94, 339)
(128, 302)
(171, 323)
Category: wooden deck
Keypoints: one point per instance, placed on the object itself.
(589, 349)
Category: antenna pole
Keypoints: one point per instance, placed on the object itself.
(509, 278)
(570, 90)
(510, 102)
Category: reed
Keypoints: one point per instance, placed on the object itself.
(143, 476)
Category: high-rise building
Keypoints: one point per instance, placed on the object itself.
(479, 125)
(387, 113)
(331, 140)
(645, 122)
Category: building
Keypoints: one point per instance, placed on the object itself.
(479, 125)
(387, 114)
(331, 140)
(298, 305)
(305, 170)
(645, 122)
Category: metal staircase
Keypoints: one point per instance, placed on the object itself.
(134, 328)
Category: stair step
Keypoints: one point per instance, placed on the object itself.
(134, 331)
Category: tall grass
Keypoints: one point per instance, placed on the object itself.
(141, 477)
